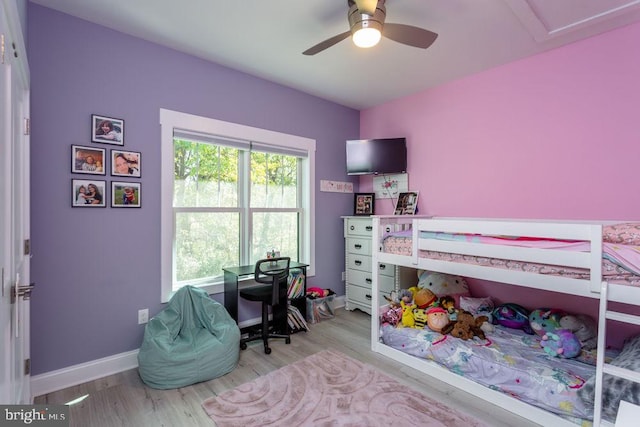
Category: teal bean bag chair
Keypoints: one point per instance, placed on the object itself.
(193, 339)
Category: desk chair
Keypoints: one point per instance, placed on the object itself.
(274, 272)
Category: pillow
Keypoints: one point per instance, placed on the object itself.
(477, 306)
(626, 233)
(615, 389)
(444, 284)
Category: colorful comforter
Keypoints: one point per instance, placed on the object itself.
(508, 361)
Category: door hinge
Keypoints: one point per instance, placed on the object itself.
(27, 126)
(27, 366)
(27, 247)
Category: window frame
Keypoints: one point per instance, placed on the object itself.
(173, 120)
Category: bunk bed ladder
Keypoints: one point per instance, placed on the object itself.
(603, 368)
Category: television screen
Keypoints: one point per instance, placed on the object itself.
(376, 156)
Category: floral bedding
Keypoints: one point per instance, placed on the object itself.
(508, 361)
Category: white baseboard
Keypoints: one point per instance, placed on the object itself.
(99, 368)
(78, 374)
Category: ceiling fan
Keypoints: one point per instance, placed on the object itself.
(366, 23)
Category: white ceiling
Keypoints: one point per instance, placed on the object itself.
(266, 38)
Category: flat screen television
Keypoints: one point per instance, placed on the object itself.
(376, 156)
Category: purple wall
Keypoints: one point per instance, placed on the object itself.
(552, 136)
(95, 268)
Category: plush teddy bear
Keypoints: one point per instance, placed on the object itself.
(466, 327)
(583, 327)
(561, 343)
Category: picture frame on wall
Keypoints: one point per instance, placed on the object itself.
(125, 163)
(363, 203)
(89, 160)
(107, 130)
(87, 193)
(125, 194)
(407, 203)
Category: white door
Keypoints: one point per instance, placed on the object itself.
(14, 210)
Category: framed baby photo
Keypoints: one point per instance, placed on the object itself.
(87, 160)
(107, 130)
(407, 203)
(363, 203)
(88, 193)
(125, 163)
(125, 194)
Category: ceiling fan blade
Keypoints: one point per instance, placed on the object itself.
(327, 43)
(409, 35)
(367, 6)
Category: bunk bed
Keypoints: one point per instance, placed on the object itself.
(574, 260)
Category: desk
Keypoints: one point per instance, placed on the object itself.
(233, 274)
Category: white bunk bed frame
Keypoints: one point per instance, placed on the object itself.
(593, 287)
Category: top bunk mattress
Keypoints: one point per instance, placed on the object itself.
(620, 264)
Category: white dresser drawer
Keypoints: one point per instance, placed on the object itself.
(359, 262)
(360, 278)
(358, 227)
(359, 294)
(387, 269)
(386, 284)
(357, 245)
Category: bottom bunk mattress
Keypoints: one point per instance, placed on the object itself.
(508, 360)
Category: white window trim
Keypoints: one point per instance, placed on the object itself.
(170, 120)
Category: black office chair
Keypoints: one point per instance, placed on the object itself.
(274, 272)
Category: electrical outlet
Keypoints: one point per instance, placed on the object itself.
(143, 316)
(344, 276)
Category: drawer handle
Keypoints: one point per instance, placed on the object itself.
(382, 266)
(357, 262)
(369, 228)
(368, 280)
(357, 246)
(352, 228)
(368, 296)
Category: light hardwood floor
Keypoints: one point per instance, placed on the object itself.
(123, 400)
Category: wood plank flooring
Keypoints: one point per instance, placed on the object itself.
(123, 399)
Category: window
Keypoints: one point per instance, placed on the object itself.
(230, 193)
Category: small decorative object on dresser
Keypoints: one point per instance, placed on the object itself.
(363, 203)
(407, 203)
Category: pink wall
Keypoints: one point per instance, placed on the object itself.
(552, 136)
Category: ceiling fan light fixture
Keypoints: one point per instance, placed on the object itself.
(366, 37)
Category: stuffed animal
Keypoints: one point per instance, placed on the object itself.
(420, 317)
(543, 320)
(448, 303)
(561, 343)
(513, 316)
(424, 298)
(392, 315)
(318, 292)
(437, 318)
(583, 327)
(466, 327)
(407, 314)
(443, 284)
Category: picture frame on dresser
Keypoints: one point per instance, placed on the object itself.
(363, 203)
(407, 203)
